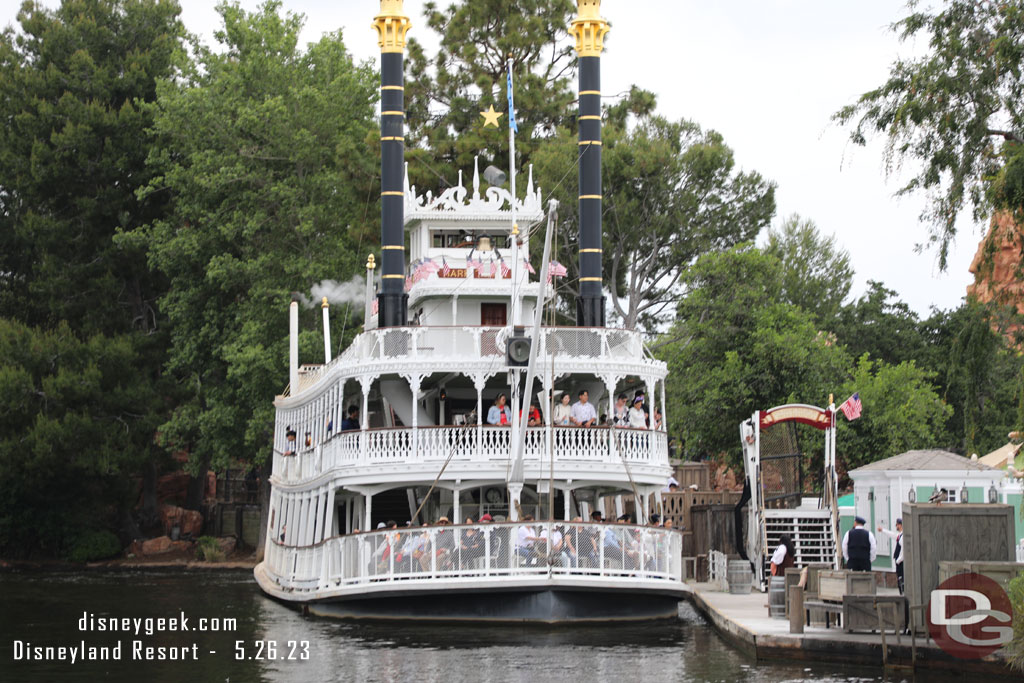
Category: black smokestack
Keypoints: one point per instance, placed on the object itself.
(392, 301)
(589, 29)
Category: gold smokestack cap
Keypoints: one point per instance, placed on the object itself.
(324, 304)
(589, 28)
(391, 24)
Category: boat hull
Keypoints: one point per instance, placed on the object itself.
(542, 605)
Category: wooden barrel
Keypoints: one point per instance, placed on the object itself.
(739, 576)
(777, 597)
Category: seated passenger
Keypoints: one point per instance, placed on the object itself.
(526, 538)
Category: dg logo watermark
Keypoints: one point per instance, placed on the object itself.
(969, 616)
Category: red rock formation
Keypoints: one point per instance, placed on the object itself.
(997, 265)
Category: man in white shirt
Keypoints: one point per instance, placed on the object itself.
(555, 548)
(525, 539)
(582, 413)
(897, 551)
(859, 549)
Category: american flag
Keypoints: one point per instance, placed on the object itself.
(529, 268)
(408, 283)
(505, 270)
(851, 407)
(446, 270)
(556, 269)
(494, 268)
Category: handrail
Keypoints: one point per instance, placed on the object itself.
(612, 552)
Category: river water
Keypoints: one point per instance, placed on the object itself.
(41, 610)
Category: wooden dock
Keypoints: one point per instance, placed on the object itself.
(743, 621)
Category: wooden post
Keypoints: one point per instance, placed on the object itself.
(796, 609)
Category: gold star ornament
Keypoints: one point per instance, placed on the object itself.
(491, 117)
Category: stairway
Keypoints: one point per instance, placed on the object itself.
(812, 533)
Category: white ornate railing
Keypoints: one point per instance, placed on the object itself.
(432, 343)
(611, 552)
(435, 444)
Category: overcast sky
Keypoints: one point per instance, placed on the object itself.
(767, 74)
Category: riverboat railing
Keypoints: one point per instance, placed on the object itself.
(472, 444)
(438, 342)
(442, 554)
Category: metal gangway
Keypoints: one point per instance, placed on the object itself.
(773, 466)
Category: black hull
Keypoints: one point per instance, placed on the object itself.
(542, 606)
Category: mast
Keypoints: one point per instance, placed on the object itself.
(392, 302)
(589, 30)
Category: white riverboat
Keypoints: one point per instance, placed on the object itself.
(421, 448)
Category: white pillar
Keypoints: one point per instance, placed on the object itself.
(367, 510)
(368, 311)
(514, 491)
(664, 413)
(456, 510)
(327, 331)
(478, 382)
(414, 387)
(567, 507)
(293, 348)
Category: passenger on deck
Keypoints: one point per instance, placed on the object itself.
(472, 545)
(637, 416)
(784, 556)
(589, 542)
(533, 418)
(582, 413)
(351, 422)
(499, 413)
(553, 544)
(289, 436)
(620, 417)
(562, 411)
(526, 538)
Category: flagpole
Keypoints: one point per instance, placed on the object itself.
(512, 185)
(516, 444)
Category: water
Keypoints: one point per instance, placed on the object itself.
(44, 609)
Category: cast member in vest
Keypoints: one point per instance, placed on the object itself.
(897, 551)
(784, 556)
(859, 549)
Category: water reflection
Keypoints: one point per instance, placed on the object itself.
(45, 608)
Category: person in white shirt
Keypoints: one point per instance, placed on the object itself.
(525, 539)
(859, 549)
(562, 410)
(582, 413)
(555, 548)
(897, 551)
(637, 416)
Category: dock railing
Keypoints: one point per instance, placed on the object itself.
(442, 554)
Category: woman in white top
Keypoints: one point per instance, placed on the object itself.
(561, 416)
(637, 416)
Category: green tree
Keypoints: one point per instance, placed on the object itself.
(736, 348)
(672, 192)
(882, 326)
(264, 153)
(901, 411)
(958, 111)
(981, 377)
(77, 416)
(446, 92)
(816, 271)
(76, 83)
(73, 146)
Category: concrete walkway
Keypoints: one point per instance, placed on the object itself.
(743, 620)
